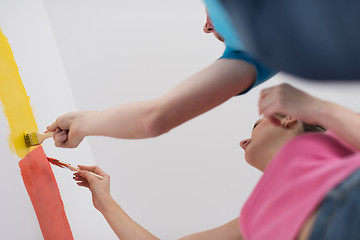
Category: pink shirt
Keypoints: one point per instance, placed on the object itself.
(294, 184)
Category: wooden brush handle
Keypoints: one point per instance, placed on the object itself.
(96, 175)
(42, 136)
(72, 168)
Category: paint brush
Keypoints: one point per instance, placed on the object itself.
(36, 138)
(71, 167)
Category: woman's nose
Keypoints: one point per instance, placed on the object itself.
(245, 143)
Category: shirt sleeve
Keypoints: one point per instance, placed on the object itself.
(263, 72)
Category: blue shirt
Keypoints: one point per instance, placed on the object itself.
(234, 46)
(263, 72)
(223, 24)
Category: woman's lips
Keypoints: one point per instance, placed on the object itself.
(246, 144)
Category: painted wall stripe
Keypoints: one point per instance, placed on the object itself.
(44, 193)
(15, 101)
(36, 172)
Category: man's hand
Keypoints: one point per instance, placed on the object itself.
(70, 129)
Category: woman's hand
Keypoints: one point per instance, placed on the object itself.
(285, 99)
(123, 226)
(100, 189)
(70, 129)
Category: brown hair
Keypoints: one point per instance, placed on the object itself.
(313, 127)
(307, 127)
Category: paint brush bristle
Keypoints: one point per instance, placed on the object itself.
(57, 162)
(35, 138)
(72, 168)
(31, 139)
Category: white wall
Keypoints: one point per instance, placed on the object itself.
(26, 26)
(194, 177)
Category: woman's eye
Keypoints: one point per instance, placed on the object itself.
(279, 115)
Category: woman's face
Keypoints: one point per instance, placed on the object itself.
(266, 139)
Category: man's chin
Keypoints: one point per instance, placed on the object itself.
(220, 38)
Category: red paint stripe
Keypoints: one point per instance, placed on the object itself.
(44, 193)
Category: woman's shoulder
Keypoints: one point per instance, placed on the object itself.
(315, 146)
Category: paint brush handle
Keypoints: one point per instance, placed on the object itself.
(75, 169)
(96, 175)
(42, 136)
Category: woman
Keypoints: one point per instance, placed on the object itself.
(310, 188)
(304, 192)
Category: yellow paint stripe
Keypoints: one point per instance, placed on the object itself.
(15, 101)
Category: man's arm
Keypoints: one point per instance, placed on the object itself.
(192, 97)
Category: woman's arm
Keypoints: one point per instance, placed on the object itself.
(125, 227)
(342, 121)
(228, 231)
(192, 97)
(286, 99)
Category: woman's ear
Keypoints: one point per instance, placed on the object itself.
(289, 122)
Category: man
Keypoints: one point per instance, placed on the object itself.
(312, 39)
(234, 73)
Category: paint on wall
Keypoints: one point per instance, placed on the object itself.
(36, 172)
(44, 193)
(15, 101)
